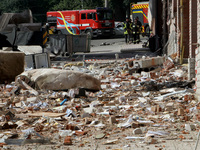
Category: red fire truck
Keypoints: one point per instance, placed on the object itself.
(95, 22)
(140, 10)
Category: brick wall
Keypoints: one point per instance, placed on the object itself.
(186, 27)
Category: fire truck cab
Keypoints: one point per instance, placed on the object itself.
(140, 10)
(95, 22)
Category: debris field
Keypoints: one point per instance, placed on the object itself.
(100, 105)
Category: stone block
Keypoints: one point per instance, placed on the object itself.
(11, 65)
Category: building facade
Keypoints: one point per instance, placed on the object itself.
(181, 33)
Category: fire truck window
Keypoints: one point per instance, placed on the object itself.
(89, 16)
(105, 15)
(83, 16)
(94, 16)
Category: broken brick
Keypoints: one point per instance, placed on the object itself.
(180, 112)
(67, 140)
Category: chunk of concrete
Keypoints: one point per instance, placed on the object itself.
(57, 79)
(190, 127)
(11, 65)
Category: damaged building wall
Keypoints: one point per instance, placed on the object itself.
(192, 38)
(182, 27)
(185, 28)
(193, 27)
(182, 24)
(181, 31)
(197, 57)
(151, 15)
(171, 22)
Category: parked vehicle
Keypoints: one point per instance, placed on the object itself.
(118, 30)
(95, 22)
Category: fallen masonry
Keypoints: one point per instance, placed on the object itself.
(57, 79)
(100, 105)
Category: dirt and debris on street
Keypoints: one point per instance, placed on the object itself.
(100, 105)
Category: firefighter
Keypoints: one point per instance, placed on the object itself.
(136, 32)
(131, 31)
(127, 30)
(140, 26)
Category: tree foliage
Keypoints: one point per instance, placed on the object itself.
(13, 6)
(39, 8)
(77, 4)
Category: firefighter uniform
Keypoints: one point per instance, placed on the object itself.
(127, 30)
(136, 32)
(140, 26)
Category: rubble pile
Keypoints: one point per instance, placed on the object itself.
(130, 110)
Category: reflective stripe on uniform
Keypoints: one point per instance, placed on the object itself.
(125, 27)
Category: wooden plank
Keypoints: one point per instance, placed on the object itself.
(47, 114)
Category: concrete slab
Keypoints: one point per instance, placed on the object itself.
(30, 49)
(146, 63)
